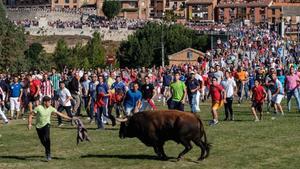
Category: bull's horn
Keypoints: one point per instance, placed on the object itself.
(121, 120)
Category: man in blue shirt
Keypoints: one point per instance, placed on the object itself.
(92, 96)
(132, 101)
(167, 80)
(119, 85)
(15, 97)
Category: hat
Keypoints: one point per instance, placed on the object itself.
(46, 98)
(192, 72)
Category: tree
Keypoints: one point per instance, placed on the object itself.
(170, 16)
(12, 43)
(111, 8)
(95, 51)
(61, 54)
(36, 58)
(143, 48)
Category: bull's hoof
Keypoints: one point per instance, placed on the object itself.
(201, 159)
(164, 158)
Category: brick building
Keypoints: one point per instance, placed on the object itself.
(201, 10)
(27, 3)
(255, 11)
(284, 17)
(187, 55)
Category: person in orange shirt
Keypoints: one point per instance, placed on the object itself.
(242, 77)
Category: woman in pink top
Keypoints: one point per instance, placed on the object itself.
(292, 88)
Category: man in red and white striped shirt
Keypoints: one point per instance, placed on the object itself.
(46, 87)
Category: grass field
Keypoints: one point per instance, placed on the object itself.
(239, 144)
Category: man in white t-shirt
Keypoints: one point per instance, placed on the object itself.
(229, 86)
(64, 99)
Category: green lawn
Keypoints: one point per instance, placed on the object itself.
(239, 144)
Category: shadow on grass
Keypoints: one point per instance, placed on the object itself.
(123, 156)
(88, 128)
(29, 157)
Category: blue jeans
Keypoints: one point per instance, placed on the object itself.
(98, 117)
(243, 91)
(85, 100)
(193, 102)
(91, 113)
(295, 92)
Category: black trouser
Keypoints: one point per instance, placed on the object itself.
(44, 135)
(228, 107)
(67, 109)
(110, 116)
(175, 105)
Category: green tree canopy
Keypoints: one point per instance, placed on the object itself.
(12, 43)
(111, 8)
(61, 54)
(143, 48)
(35, 56)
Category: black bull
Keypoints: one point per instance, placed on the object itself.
(154, 128)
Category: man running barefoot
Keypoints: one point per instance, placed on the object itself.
(43, 114)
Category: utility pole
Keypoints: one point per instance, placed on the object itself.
(162, 45)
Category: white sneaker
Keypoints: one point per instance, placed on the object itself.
(256, 120)
(213, 122)
(273, 118)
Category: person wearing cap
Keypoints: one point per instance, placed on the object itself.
(43, 115)
(193, 85)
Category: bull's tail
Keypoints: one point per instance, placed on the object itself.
(204, 139)
(206, 144)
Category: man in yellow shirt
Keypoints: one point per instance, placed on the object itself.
(43, 115)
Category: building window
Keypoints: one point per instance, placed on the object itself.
(67, 1)
(273, 11)
(152, 3)
(75, 1)
(56, 1)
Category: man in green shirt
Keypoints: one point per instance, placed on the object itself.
(178, 91)
(43, 115)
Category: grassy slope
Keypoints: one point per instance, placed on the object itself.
(239, 144)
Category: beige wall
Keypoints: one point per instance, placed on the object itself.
(181, 58)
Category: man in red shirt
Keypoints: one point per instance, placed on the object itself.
(259, 94)
(34, 91)
(218, 96)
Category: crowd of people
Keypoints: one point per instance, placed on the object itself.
(256, 64)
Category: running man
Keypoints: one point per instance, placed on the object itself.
(43, 114)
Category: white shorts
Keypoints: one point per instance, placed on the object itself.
(277, 98)
(14, 104)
